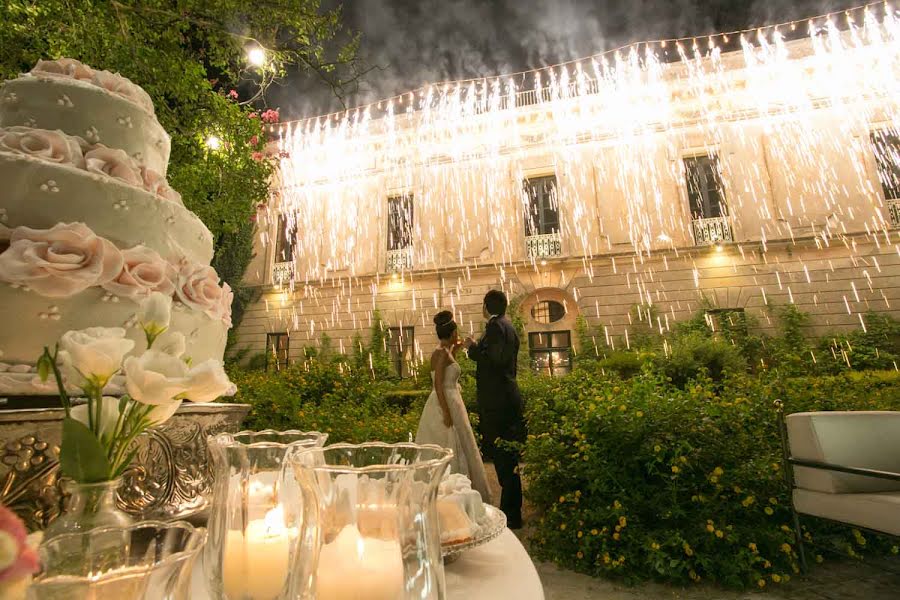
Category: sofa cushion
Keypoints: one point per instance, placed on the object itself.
(864, 439)
(880, 512)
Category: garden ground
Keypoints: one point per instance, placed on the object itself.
(874, 579)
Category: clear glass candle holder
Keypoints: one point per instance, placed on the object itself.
(253, 524)
(369, 526)
(146, 561)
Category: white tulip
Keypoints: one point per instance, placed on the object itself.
(155, 377)
(109, 415)
(207, 381)
(95, 354)
(171, 343)
(163, 412)
(154, 315)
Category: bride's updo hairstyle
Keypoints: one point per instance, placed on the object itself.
(444, 324)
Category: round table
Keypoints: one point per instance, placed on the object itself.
(499, 570)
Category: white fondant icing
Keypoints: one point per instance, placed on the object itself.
(95, 118)
(167, 227)
(23, 339)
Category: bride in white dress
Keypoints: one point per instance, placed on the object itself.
(445, 420)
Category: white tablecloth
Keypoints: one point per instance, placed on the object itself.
(499, 570)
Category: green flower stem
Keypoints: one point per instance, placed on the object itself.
(50, 359)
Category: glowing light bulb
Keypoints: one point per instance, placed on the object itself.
(213, 142)
(256, 56)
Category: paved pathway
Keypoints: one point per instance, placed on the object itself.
(874, 580)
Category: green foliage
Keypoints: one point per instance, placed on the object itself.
(187, 55)
(330, 397)
(647, 480)
(694, 355)
(623, 364)
(83, 457)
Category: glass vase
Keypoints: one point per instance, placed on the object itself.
(147, 561)
(89, 505)
(253, 521)
(369, 526)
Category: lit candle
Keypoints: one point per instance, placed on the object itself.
(353, 567)
(255, 564)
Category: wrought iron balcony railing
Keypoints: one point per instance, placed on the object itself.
(282, 273)
(399, 260)
(543, 246)
(893, 206)
(711, 231)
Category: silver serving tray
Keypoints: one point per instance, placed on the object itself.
(489, 529)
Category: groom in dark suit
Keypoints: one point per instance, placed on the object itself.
(500, 406)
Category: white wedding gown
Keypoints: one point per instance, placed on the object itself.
(459, 437)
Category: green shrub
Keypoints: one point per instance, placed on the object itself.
(648, 480)
(694, 355)
(623, 364)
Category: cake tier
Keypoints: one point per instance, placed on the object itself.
(40, 194)
(83, 109)
(28, 322)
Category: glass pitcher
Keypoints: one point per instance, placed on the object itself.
(369, 528)
(253, 523)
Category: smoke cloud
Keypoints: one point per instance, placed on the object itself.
(414, 42)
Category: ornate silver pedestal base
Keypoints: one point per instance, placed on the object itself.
(171, 477)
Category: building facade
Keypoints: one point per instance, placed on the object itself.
(628, 189)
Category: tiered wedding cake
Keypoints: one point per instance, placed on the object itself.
(88, 223)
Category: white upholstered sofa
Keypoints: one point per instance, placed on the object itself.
(846, 467)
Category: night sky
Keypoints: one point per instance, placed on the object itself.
(414, 42)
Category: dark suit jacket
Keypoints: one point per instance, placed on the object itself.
(500, 405)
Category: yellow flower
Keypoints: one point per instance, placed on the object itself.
(769, 511)
(786, 548)
(657, 448)
(683, 459)
(687, 549)
(622, 407)
(718, 472)
(593, 532)
(606, 558)
(773, 501)
(562, 499)
(577, 493)
(693, 575)
(562, 527)
(776, 577)
(579, 555)
(675, 469)
(737, 490)
(710, 528)
(616, 536)
(767, 564)
(752, 547)
(640, 413)
(714, 479)
(617, 505)
(654, 546)
(719, 534)
(748, 501)
(761, 583)
(623, 521)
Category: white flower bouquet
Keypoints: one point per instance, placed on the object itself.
(98, 436)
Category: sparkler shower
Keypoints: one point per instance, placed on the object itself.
(789, 117)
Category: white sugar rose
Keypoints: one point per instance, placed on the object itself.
(154, 315)
(171, 343)
(61, 261)
(118, 85)
(157, 184)
(114, 163)
(52, 146)
(95, 354)
(163, 412)
(155, 377)
(144, 271)
(109, 414)
(207, 381)
(64, 67)
(198, 287)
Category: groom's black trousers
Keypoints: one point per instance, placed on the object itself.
(495, 428)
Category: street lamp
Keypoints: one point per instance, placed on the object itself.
(256, 56)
